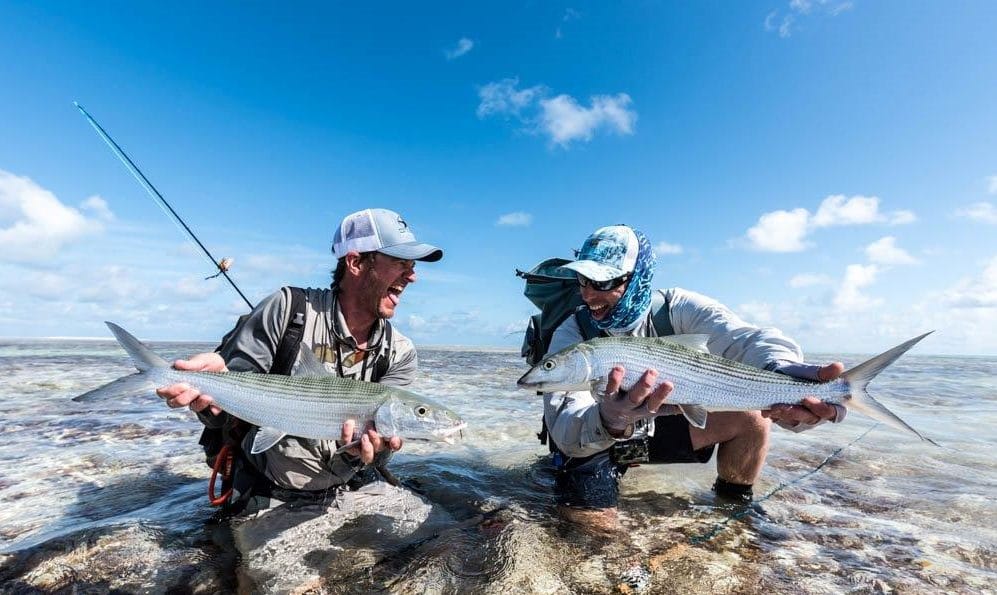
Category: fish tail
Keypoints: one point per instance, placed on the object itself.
(859, 377)
(143, 357)
(125, 386)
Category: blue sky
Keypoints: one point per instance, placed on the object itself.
(829, 168)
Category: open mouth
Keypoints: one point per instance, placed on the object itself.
(447, 434)
(598, 312)
(395, 293)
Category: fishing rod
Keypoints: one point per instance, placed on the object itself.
(221, 265)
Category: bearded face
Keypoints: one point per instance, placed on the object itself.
(382, 281)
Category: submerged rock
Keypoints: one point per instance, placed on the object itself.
(300, 548)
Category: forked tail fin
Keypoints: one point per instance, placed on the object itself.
(143, 356)
(859, 377)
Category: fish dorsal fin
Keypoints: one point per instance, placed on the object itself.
(143, 357)
(696, 414)
(308, 364)
(694, 342)
(266, 438)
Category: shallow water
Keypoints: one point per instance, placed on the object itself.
(112, 496)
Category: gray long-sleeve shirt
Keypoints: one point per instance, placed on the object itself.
(572, 418)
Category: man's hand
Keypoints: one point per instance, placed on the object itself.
(811, 410)
(371, 442)
(642, 401)
(184, 395)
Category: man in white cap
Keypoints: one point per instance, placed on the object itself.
(594, 441)
(347, 328)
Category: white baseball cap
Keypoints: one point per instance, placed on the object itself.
(382, 231)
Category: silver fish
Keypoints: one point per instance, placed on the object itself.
(313, 405)
(704, 382)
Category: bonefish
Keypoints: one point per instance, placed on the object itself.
(704, 382)
(313, 405)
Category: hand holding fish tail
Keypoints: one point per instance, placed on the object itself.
(811, 410)
(184, 395)
(369, 444)
(619, 410)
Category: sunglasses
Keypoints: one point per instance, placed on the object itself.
(584, 281)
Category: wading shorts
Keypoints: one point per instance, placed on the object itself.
(593, 482)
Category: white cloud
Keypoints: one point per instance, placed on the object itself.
(780, 231)
(841, 210)
(980, 211)
(839, 8)
(901, 218)
(756, 313)
(516, 327)
(808, 280)
(464, 45)
(979, 292)
(98, 206)
(850, 296)
(416, 322)
(502, 98)
(885, 251)
(453, 322)
(801, 6)
(992, 184)
(115, 285)
(562, 118)
(35, 225)
(803, 9)
(518, 218)
(570, 14)
(786, 231)
(663, 248)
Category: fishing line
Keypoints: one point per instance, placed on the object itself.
(160, 201)
(748, 509)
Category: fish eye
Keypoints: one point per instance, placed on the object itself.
(421, 410)
(549, 364)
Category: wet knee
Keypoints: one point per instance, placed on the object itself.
(753, 424)
(598, 520)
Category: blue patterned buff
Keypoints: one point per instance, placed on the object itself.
(636, 300)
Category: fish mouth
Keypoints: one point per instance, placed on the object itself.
(446, 434)
(524, 382)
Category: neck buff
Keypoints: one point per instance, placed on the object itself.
(636, 299)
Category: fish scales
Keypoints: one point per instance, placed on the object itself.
(705, 379)
(314, 404)
(705, 382)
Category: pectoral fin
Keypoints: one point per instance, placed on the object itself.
(348, 446)
(309, 365)
(696, 414)
(266, 438)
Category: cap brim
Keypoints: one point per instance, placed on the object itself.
(413, 251)
(593, 270)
